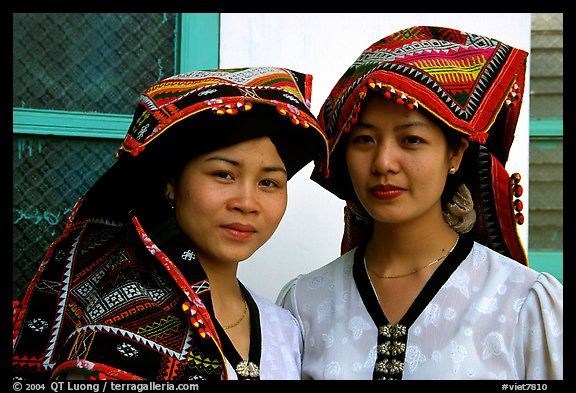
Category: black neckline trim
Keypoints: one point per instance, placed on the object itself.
(439, 277)
(255, 351)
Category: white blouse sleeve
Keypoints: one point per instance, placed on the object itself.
(540, 336)
(285, 297)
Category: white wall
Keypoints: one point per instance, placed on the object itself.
(324, 45)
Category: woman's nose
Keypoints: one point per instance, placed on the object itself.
(385, 159)
(245, 199)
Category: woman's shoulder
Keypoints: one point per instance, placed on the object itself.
(338, 270)
(267, 307)
(339, 265)
(272, 315)
(513, 270)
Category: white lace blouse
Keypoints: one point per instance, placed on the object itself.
(480, 316)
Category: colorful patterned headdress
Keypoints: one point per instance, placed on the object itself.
(472, 84)
(190, 114)
(222, 92)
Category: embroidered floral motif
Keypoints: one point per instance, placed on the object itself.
(38, 325)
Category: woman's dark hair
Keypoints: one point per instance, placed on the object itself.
(454, 139)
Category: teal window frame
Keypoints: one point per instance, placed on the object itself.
(199, 47)
(546, 260)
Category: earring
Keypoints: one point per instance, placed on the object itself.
(452, 170)
(171, 204)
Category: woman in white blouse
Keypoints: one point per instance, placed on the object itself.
(433, 281)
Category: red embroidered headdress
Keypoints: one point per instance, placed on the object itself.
(471, 83)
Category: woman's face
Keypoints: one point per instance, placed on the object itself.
(230, 201)
(398, 161)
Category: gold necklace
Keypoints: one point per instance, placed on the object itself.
(420, 268)
(240, 320)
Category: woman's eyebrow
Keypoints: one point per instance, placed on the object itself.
(239, 164)
(407, 124)
(225, 159)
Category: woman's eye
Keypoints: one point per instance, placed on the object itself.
(268, 183)
(223, 175)
(362, 139)
(412, 140)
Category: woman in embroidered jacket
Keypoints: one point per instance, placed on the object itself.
(142, 284)
(432, 282)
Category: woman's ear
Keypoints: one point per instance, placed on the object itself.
(169, 190)
(457, 155)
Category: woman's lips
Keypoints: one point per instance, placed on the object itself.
(386, 191)
(239, 231)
